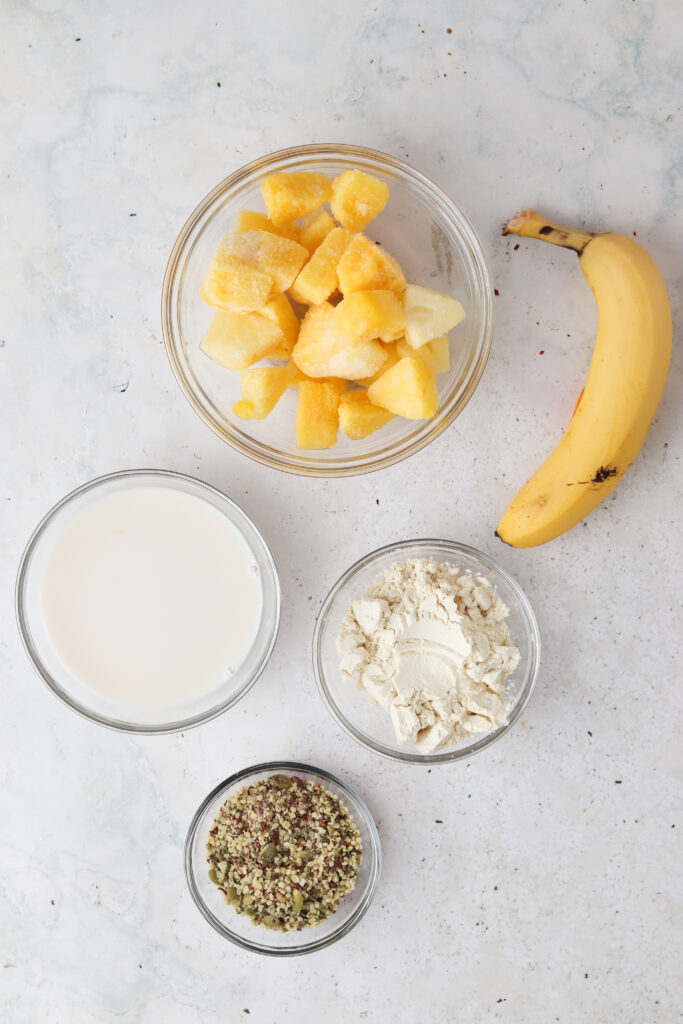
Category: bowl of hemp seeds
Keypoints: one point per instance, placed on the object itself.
(282, 858)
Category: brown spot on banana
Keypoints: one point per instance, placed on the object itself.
(604, 473)
(599, 477)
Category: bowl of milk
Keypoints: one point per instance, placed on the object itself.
(148, 601)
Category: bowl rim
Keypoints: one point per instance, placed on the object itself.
(307, 466)
(315, 944)
(119, 725)
(411, 756)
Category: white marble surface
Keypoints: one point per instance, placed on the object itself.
(551, 889)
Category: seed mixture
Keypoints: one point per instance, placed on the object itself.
(285, 851)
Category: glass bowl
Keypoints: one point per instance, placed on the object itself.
(65, 684)
(433, 242)
(370, 724)
(239, 928)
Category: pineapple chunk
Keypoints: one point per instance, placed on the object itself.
(318, 279)
(376, 314)
(358, 417)
(295, 377)
(236, 340)
(230, 285)
(367, 267)
(281, 258)
(262, 389)
(317, 415)
(297, 297)
(290, 196)
(281, 313)
(314, 228)
(436, 354)
(323, 350)
(429, 314)
(245, 410)
(357, 198)
(407, 389)
(393, 357)
(341, 384)
(251, 220)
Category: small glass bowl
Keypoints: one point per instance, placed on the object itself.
(65, 684)
(432, 240)
(239, 928)
(370, 724)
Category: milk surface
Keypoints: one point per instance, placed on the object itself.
(152, 597)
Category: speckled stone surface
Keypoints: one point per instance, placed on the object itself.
(549, 887)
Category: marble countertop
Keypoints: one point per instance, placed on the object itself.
(541, 881)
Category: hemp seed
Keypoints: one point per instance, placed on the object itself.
(285, 851)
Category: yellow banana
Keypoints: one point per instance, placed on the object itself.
(624, 385)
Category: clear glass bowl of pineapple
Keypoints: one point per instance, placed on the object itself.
(324, 412)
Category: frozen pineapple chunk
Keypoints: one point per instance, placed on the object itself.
(281, 313)
(295, 377)
(357, 198)
(236, 340)
(262, 389)
(251, 220)
(365, 266)
(271, 254)
(314, 228)
(341, 384)
(323, 350)
(232, 286)
(392, 357)
(290, 196)
(358, 417)
(245, 410)
(408, 389)
(318, 279)
(317, 415)
(429, 314)
(375, 314)
(436, 354)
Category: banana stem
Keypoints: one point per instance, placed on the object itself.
(529, 224)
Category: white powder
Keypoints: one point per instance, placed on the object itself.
(430, 644)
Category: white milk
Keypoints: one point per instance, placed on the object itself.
(152, 597)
